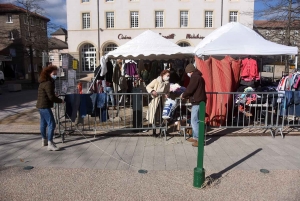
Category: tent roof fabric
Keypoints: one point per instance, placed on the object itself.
(237, 39)
(149, 45)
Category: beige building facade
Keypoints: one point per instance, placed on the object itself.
(184, 22)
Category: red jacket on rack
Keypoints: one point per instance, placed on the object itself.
(249, 70)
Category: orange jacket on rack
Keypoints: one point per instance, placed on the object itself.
(249, 70)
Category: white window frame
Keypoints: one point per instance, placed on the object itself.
(9, 18)
(134, 19)
(88, 58)
(31, 20)
(110, 20)
(25, 19)
(109, 0)
(109, 47)
(86, 20)
(11, 35)
(159, 19)
(184, 18)
(209, 15)
(233, 16)
(51, 58)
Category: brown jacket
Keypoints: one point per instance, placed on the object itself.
(46, 95)
(195, 91)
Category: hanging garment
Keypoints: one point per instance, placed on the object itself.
(141, 67)
(72, 105)
(131, 69)
(103, 61)
(110, 71)
(116, 77)
(86, 105)
(153, 71)
(249, 70)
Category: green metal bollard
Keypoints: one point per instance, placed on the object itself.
(199, 172)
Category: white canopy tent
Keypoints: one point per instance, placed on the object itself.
(150, 45)
(237, 39)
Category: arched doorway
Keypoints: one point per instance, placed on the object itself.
(184, 44)
(109, 47)
(88, 57)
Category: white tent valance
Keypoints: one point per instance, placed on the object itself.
(237, 39)
(150, 45)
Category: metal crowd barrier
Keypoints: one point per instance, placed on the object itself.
(252, 111)
(128, 114)
(247, 110)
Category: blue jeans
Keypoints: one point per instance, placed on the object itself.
(195, 121)
(47, 120)
(109, 90)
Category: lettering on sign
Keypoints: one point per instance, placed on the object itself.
(171, 36)
(194, 36)
(122, 37)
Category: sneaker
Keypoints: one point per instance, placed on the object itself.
(195, 144)
(44, 142)
(191, 140)
(52, 146)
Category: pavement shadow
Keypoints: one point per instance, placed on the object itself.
(215, 177)
(17, 99)
(6, 143)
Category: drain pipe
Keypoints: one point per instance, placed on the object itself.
(222, 12)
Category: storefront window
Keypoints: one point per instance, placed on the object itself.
(184, 44)
(88, 58)
(109, 47)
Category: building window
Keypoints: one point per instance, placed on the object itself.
(83, 1)
(86, 23)
(109, 0)
(60, 57)
(233, 16)
(159, 19)
(11, 35)
(88, 57)
(109, 47)
(51, 58)
(184, 44)
(296, 33)
(9, 18)
(110, 19)
(184, 18)
(134, 16)
(25, 19)
(31, 21)
(208, 19)
(43, 24)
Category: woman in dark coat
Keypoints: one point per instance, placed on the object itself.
(45, 101)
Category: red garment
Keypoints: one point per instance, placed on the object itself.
(249, 70)
(219, 76)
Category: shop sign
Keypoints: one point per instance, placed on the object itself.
(122, 37)
(194, 36)
(171, 36)
(75, 64)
